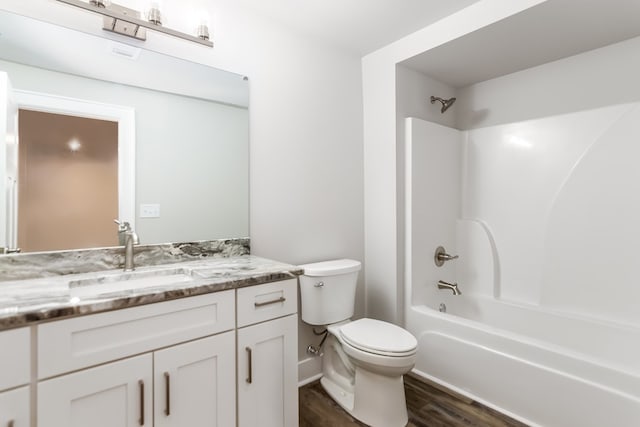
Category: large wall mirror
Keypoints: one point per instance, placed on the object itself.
(97, 130)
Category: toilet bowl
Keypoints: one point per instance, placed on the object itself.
(365, 377)
(365, 359)
(377, 345)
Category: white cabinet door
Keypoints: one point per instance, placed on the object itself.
(114, 395)
(267, 374)
(15, 362)
(194, 383)
(14, 408)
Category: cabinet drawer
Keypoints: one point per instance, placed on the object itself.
(80, 342)
(263, 302)
(16, 358)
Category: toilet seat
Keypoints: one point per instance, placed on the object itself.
(378, 337)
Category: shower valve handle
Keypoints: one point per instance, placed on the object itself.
(441, 256)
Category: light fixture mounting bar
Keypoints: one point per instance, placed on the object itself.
(136, 21)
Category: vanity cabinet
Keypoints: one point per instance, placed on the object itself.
(194, 380)
(267, 355)
(183, 385)
(221, 359)
(14, 378)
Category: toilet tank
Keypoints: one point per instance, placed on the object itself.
(328, 291)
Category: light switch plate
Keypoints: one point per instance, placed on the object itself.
(150, 211)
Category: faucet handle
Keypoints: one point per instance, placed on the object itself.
(123, 226)
(441, 256)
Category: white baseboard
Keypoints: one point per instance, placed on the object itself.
(309, 370)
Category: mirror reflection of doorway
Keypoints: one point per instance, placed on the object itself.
(68, 182)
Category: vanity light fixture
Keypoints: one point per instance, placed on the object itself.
(125, 21)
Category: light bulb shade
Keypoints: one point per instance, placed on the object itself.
(154, 16)
(202, 32)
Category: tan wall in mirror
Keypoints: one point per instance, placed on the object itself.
(67, 199)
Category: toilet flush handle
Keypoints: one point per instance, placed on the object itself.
(319, 284)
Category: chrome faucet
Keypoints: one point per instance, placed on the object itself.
(452, 286)
(127, 238)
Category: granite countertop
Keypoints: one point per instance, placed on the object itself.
(23, 302)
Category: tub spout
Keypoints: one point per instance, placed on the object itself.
(452, 286)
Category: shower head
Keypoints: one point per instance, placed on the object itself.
(446, 103)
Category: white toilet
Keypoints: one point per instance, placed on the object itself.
(365, 359)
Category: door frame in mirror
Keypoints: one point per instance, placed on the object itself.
(124, 116)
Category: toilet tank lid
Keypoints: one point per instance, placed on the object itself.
(331, 268)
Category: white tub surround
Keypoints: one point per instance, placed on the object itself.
(543, 216)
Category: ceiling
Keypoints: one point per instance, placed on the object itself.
(360, 26)
(550, 31)
(357, 26)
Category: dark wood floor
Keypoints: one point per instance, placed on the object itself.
(428, 407)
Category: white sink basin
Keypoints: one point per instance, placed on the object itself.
(117, 282)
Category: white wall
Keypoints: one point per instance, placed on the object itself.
(592, 79)
(413, 94)
(306, 164)
(382, 207)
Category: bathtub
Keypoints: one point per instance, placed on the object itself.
(541, 367)
(547, 330)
